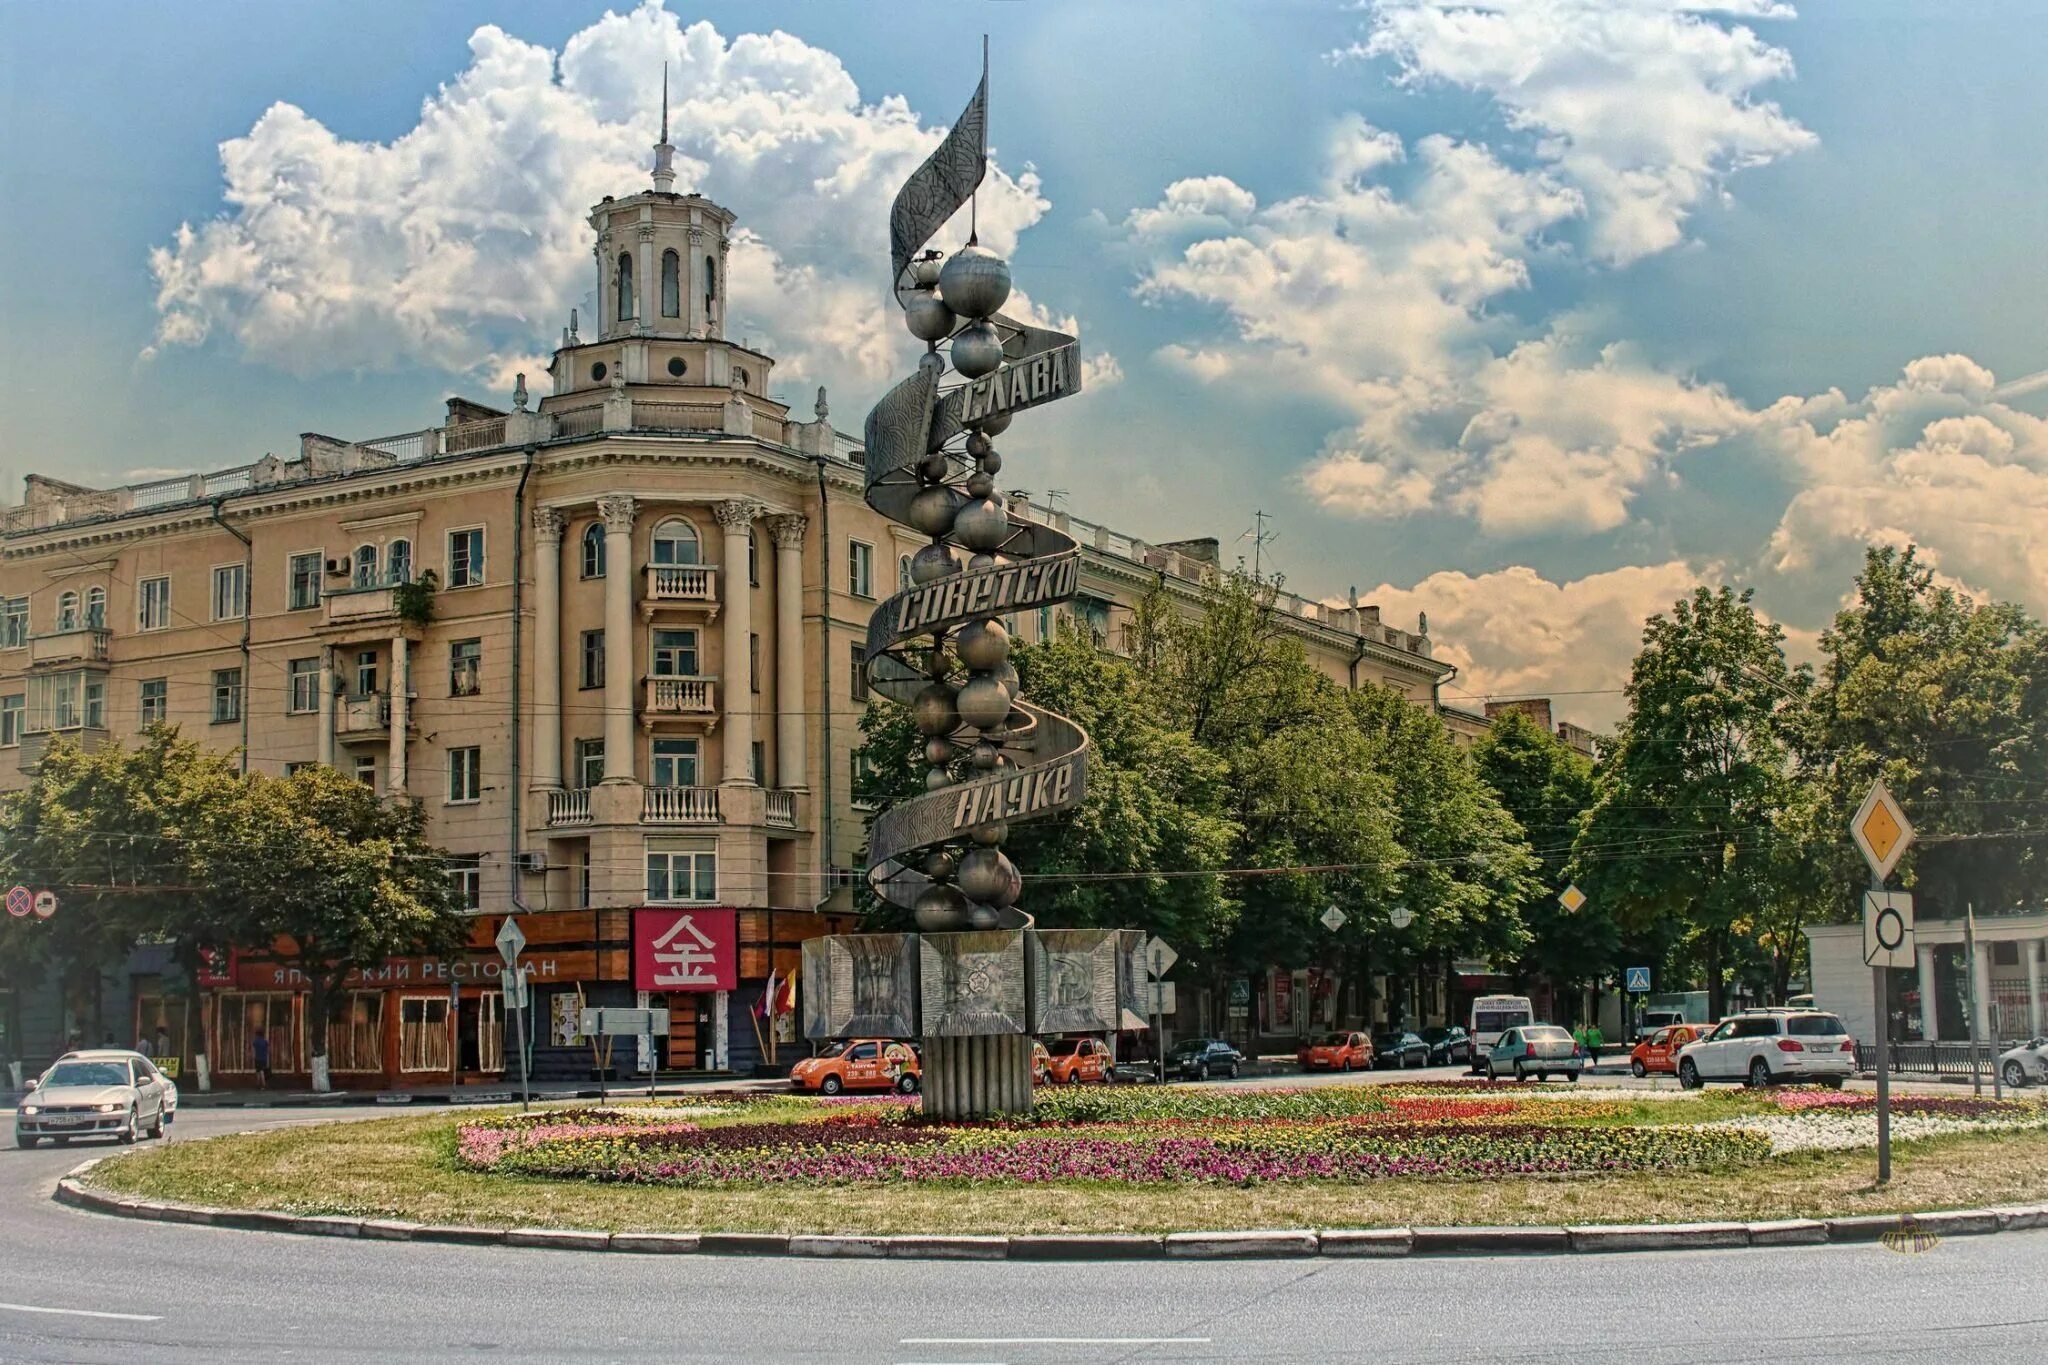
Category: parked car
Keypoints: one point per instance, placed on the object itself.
(1197, 1059)
(1399, 1048)
(1336, 1052)
(2026, 1064)
(1764, 1049)
(1041, 1064)
(1652, 1020)
(1659, 1052)
(1539, 1050)
(1071, 1061)
(1493, 1015)
(860, 1064)
(1447, 1045)
(92, 1094)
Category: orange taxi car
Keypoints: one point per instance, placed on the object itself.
(1659, 1051)
(1071, 1061)
(859, 1064)
(1336, 1052)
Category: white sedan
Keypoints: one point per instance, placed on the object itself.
(2026, 1064)
(93, 1094)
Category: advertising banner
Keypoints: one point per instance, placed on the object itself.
(679, 949)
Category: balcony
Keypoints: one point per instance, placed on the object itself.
(570, 806)
(682, 697)
(679, 806)
(368, 717)
(81, 644)
(680, 586)
(781, 809)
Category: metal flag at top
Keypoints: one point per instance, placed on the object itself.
(948, 179)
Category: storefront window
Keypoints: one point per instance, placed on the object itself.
(423, 1033)
(355, 1041)
(241, 1016)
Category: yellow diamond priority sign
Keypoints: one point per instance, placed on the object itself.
(1881, 831)
(1572, 899)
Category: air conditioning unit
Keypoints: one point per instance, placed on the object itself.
(532, 861)
(337, 568)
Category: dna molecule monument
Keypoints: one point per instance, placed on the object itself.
(979, 978)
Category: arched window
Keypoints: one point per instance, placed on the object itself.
(675, 542)
(398, 562)
(365, 575)
(710, 282)
(671, 284)
(67, 610)
(593, 550)
(96, 608)
(902, 572)
(626, 311)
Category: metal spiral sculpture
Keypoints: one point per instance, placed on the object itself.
(939, 646)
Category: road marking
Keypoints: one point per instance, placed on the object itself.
(81, 1313)
(1054, 1341)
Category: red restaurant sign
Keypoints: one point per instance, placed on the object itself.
(685, 950)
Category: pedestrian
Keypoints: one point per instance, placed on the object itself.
(142, 1044)
(260, 1047)
(163, 1041)
(1595, 1040)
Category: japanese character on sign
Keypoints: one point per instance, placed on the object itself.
(685, 950)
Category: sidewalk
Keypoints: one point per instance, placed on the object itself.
(549, 1092)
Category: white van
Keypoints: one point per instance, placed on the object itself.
(1493, 1015)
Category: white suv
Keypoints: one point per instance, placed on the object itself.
(1763, 1049)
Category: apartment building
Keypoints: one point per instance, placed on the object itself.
(610, 639)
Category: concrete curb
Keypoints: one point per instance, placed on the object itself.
(1587, 1239)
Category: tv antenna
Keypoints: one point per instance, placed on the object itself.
(1260, 538)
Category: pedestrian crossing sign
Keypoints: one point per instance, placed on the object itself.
(1639, 980)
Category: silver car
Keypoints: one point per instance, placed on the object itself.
(93, 1094)
(2026, 1064)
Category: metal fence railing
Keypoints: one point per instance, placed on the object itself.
(1931, 1059)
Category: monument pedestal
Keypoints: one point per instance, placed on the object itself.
(976, 1077)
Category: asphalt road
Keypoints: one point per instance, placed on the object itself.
(85, 1287)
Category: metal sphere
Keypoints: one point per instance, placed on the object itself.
(977, 350)
(928, 318)
(975, 281)
(987, 874)
(940, 909)
(1006, 674)
(940, 864)
(924, 271)
(980, 562)
(983, 645)
(931, 362)
(995, 424)
(932, 563)
(989, 835)
(978, 445)
(934, 468)
(932, 710)
(983, 917)
(985, 756)
(991, 463)
(980, 485)
(983, 701)
(938, 749)
(981, 524)
(937, 779)
(931, 511)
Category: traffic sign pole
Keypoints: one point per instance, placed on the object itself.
(1881, 990)
(1882, 833)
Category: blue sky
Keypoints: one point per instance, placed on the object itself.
(1525, 313)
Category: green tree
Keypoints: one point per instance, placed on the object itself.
(1547, 786)
(1684, 839)
(341, 878)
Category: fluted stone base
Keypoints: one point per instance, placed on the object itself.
(975, 1078)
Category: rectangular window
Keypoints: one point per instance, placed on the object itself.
(296, 766)
(593, 660)
(423, 1041)
(589, 762)
(466, 558)
(675, 653)
(154, 596)
(304, 691)
(12, 711)
(156, 700)
(466, 668)
(242, 1017)
(858, 687)
(95, 703)
(366, 672)
(675, 762)
(466, 876)
(753, 559)
(754, 663)
(678, 875)
(56, 701)
(227, 695)
(760, 760)
(366, 770)
(230, 592)
(304, 588)
(355, 1041)
(465, 776)
(1044, 624)
(13, 622)
(860, 569)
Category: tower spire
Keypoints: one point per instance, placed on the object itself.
(664, 153)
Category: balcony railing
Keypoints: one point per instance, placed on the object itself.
(782, 809)
(344, 605)
(680, 806)
(87, 643)
(569, 807)
(682, 696)
(682, 583)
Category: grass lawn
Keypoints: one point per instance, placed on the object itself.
(405, 1168)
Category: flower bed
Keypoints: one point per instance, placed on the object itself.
(1832, 1121)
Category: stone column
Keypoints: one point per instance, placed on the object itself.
(1980, 990)
(789, 651)
(736, 518)
(1930, 1008)
(2036, 1024)
(692, 282)
(326, 750)
(401, 706)
(649, 285)
(618, 509)
(547, 648)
